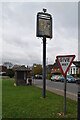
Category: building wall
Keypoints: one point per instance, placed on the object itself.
(55, 70)
(73, 70)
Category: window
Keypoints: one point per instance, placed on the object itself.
(76, 70)
(73, 70)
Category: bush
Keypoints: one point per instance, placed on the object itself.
(10, 73)
(4, 74)
(76, 75)
(49, 76)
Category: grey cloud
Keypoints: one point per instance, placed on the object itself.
(19, 31)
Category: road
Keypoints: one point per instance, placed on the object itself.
(58, 87)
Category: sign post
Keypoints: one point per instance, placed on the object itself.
(65, 95)
(44, 67)
(44, 29)
(65, 62)
(78, 100)
(77, 64)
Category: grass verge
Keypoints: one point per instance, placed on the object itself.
(27, 102)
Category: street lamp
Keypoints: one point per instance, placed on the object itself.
(47, 69)
(34, 65)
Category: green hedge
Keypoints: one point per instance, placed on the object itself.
(9, 72)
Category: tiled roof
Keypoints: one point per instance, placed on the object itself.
(77, 63)
(22, 68)
(56, 65)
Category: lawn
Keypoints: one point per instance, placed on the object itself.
(27, 102)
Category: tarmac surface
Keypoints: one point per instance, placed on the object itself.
(58, 88)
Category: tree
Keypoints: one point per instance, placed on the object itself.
(37, 69)
(10, 73)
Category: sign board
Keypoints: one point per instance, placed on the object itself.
(44, 25)
(65, 62)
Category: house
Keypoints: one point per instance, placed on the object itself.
(2, 69)
(73, 69)
(49, 68)
(77, 63)
(56, 71)
(56, 68)
(9, 65)
(53, 68)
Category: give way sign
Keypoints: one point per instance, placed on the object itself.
(65, 62)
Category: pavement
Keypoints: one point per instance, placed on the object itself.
(72, 93)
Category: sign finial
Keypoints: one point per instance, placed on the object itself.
(44, 10)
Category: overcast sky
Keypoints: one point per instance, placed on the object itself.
(20, 44)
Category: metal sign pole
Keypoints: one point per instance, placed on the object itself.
(78, 105)
(44, 67)
(65, 94)
(65, 62)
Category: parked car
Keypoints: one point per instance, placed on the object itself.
(77, 80)
(70, 79)
(56, 78)
(38, 76)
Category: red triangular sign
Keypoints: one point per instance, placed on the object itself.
(65, 62)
